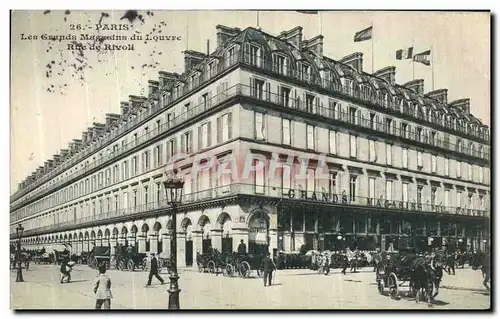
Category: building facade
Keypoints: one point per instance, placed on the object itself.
(278, 145)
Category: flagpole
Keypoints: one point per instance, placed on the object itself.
(258, 26)
(320, 25)
(413, 62)
(373, 68)
(432, 66)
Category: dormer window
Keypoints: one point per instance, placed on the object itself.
(365, 92)
(349, 85)
(254, 54)
(192, 81)
(211, 69)
(386, 99)
(280, 64)
(306, 72)
(230, 56)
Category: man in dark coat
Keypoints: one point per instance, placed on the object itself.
(242, 248)
(269, 267)
(153, 271)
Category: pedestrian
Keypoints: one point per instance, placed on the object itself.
(102, 290)
(242, 248)
(65, 270)
(153, 271)
(269, 267)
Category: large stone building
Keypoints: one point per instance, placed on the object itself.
(401, 166)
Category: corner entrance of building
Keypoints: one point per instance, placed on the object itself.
(258, 234)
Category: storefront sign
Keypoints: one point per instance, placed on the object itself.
(324, 197)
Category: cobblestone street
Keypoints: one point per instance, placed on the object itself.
(294, 289)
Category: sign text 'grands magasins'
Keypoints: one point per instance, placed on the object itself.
(343, 199)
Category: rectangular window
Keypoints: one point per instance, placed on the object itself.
(480, 173)
(433, 163)
(373, 123)
(146, 195)
(311, 181)
(459, 169)
(405, 193)
(420, 162)
(352, 115)
(469, 172)
(310, 103)
(481, 203)
(187, 142)
(352, 187)
(260, 126)
(125, 200)
(372, 150)
(257, 88)
(404, 130)
(286, 178)
(158, 192)
(311, 137)
(388, 190)
(459, 199)
(158, 153)
(259, 177)
(419, 194)
(286, 136)
(224, 128)
(447, 198)
(254, 55)
(279, 64)
(405, 158)
(205, 135)
(371, 188)
(171, 149)
(353, 147)
(333, 142)
(446, 167)
(332, 185)
(388, 154)
(145, 161)
(284, 95)
(433, 197)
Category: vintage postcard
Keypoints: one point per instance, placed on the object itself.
(250, 160)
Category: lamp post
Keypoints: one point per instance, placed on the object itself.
(174, 187)
(19, 231)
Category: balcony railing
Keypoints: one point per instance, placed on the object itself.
(312, 197)
(123, 127)
(280, 100)
(235, 59)
(357, 93)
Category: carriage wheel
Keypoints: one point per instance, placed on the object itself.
(244, 269)
(228, 270)
(121, 265)
(211, 266)
(393, 285)
(380, 287)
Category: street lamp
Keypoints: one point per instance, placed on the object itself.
(174, 187)
(19, 231)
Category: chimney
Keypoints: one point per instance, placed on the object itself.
(354, 60)
(416, 86)
(99, 129)
(192, 58)
(64, 154)
(208, 47)
(387, 74)
(84, 137)
(293, 36)
(124, 107)
(136, 103)
(152, 88)
(225, 33)
(111, 119)
(167, 78)
(57, 159)
(315, 45)
(90, 134)
(462, 104)
(441, 95)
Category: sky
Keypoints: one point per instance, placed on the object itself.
(57, 93)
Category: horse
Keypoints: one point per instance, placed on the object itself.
(482, 261)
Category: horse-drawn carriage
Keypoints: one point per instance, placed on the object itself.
(422, 274)
(125, 260)
(100, 255)
(243, 264)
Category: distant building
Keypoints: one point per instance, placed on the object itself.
(404, 168)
